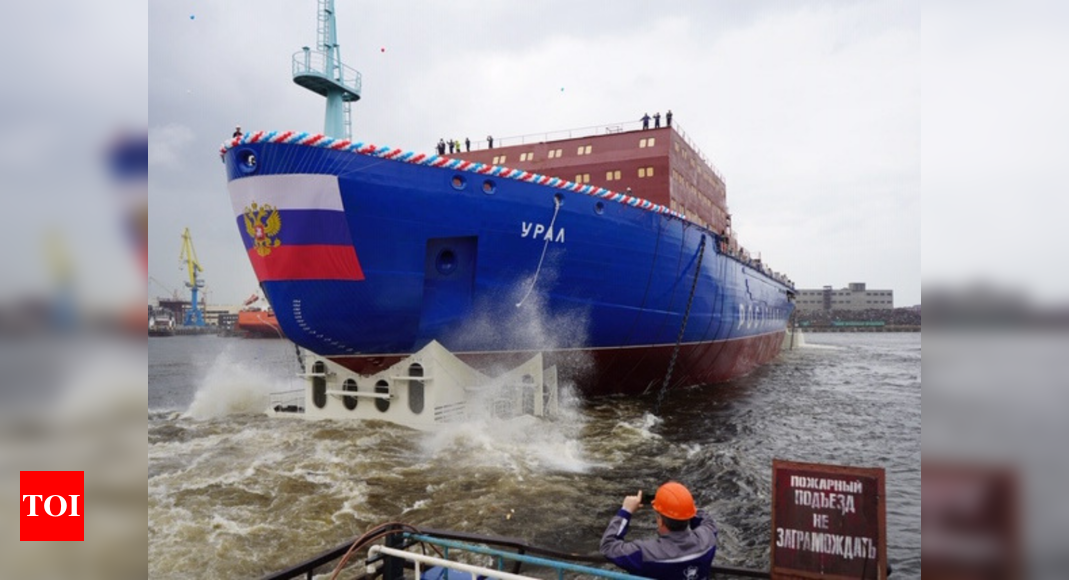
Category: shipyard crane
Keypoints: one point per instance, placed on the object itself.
(195, 315)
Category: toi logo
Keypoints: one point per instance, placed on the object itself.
(52, 506)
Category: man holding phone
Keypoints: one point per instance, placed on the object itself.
(685, 543)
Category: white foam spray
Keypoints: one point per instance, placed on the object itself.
(523, 443)
(801, 342)
(233, 385)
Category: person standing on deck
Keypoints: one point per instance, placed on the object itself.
(467, 144)
(684, 547)
(646, 121)
(657, 120)
(668, 118)
(490, 140)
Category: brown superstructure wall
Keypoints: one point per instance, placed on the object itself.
(656, 164)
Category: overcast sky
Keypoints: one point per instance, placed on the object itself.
(810, 110)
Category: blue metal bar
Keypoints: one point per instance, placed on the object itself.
(534, 560)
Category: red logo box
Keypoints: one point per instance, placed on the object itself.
(53, 506)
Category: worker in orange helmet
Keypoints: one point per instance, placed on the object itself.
(684, 547)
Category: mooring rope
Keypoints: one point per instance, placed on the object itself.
(683, 327)
(300, 358)
(549, 235)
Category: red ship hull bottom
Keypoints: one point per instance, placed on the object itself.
(625, 370)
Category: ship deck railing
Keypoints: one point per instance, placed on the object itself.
(506, 558)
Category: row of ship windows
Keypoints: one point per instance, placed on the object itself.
(821, 293)
(845, 302)
(614, 175)
(557, 153)
(692, 216)
(692, 191)
(416, 395)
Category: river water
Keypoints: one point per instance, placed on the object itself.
(234, 493)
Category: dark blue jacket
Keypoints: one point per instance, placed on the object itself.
(685, 555)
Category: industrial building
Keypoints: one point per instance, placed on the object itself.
(853, 297)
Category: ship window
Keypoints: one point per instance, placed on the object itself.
(415, 389)
(641, 143)
(382, 405)
(529, 156)
(528, 394)
(642, 172)
(599, 208)
(582, 178)
(608, 176)
(319, 385)
(489, 187)
(583, 150)
(350, 402)
(499, 159)
(651, 141)
(616, 175)
(458, 182)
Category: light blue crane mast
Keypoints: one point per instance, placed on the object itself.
(322, 72)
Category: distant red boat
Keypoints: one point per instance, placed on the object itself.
(259, 324)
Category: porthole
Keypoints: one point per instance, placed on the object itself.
(415, 389)
(247, 161)
(319, 385)
(382, 387)
(459, 182)
(446, 262)
(599, 208)
(489, 187)
(528, 394)
(349, 402)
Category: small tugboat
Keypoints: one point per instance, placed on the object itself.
(161, 322)
(257, 322)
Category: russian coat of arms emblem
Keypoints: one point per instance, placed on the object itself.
(263, 223)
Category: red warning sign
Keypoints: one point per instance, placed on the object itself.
(828, 521)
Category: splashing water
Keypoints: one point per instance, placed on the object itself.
(234, 385)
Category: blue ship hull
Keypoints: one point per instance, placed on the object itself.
(378, 256)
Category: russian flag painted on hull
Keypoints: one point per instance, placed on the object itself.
(294, 228)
